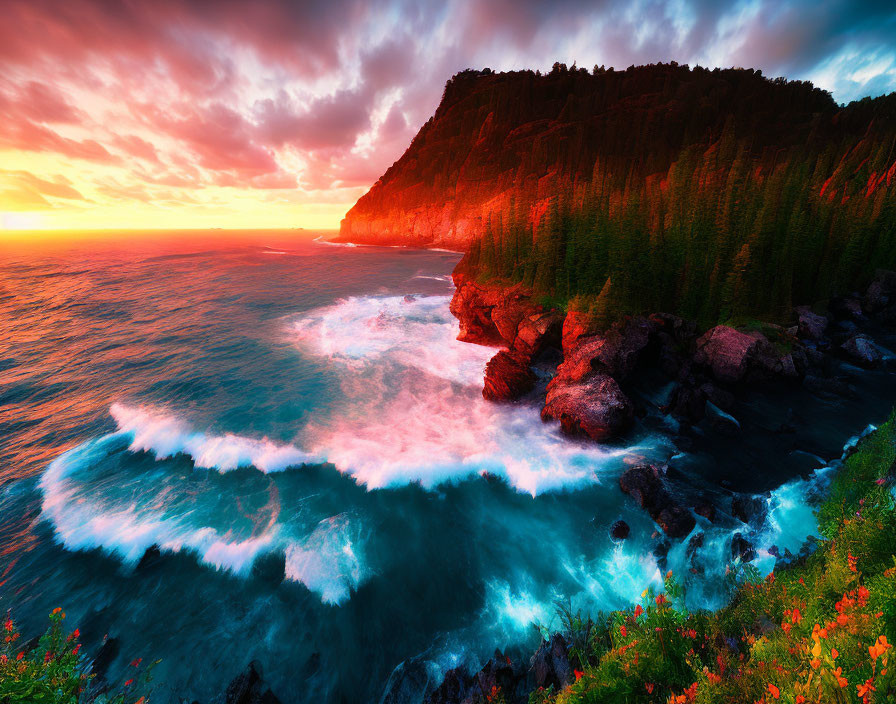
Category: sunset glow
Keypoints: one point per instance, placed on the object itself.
(277, 114)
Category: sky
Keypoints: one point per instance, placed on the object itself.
(121, 114)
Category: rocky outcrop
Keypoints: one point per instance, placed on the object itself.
(862, 350)
(647, 485)
(727, 352)
(595, 408)
(507, 377)
(810, 325)
(248, 688)
(615, 351)
(880, 296)
(550, 665)
(499, 675)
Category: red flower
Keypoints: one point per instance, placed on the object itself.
(8, 625)
(775, 692)
(578, 674)
(624, 631)
(136, 663)
(638, 611)
(20, 656)
(129, 683)
(77, 648)
(661, 599)
(649, 687)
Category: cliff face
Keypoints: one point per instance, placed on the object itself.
(525, 137)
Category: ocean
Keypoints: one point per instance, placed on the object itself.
(221, 447)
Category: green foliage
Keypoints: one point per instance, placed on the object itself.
(55, 670)
(820, 630)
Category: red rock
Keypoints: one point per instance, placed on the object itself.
(596, 408)
(727, 352)
(615, 351)
(538, 331)
(577, 325)
(507, 377)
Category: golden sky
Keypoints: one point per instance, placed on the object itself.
(280, 114)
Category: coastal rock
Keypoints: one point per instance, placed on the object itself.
(249, 688)
(616, 351)
(749, 509)
(507, 377)
(742, 549)
(537, 332)
(472, 305)
(550, 665)
(619, 530)
(453, 689)
(727, 352)
(847, 308)
(408, 682)
(577, 325)
(646, 484)
(881, 293)
(811, 326)
(862, 350)
(596, 408)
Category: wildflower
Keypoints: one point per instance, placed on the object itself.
(840, 679)
(834, 653)
(129, 683)
(801, 582)
(661, 599)
(623, 631)
(796, 617)
(649, 687)
(57, 610)
(775, 692)
(3, 659)
(851, 559)
(578, 674)
(863, 689)
(48, 657)
(638, 611)
(20, 656)
(879, 648)
(863, 595)
(815, 663)
(644, 593)
(881, 481)
(786, 627)
(136, 663)
(77, 648)
(842, 619)
(800, 699)
(819, 632)
(8, 625)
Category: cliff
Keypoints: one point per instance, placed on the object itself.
(709, 194)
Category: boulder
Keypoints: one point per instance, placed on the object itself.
(862, 350)
(881, 292)
(687, 402)
(749, 509)
(596, 408)
(646, 484)
(453, 689)
(619, 530)
(742, 548)
(507, 377)
(727, 352)
(537, 332)
(550, 665)
(577, 325)
(615, 351)
(249, 688)
(847, 307)
(811, 326)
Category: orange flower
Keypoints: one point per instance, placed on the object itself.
(578, 674)
(800, 699)
(840, 679)
(842, 619)
(851, 559)
(661, 599)
(796, 616)
(57, 610)
(638, 611)
(649, 687)
(775, 692)
(863, 689)
(815, 663)
(834, 653)
(786, 626)
(879, 648)
(863, 595)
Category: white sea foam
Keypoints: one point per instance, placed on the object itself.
(330, 561)
(414, 410)
(166, 435)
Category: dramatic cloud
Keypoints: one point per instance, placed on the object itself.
(207, 105)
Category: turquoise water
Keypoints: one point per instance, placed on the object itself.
(294, 426)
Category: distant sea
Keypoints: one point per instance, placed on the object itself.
(294, 427)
